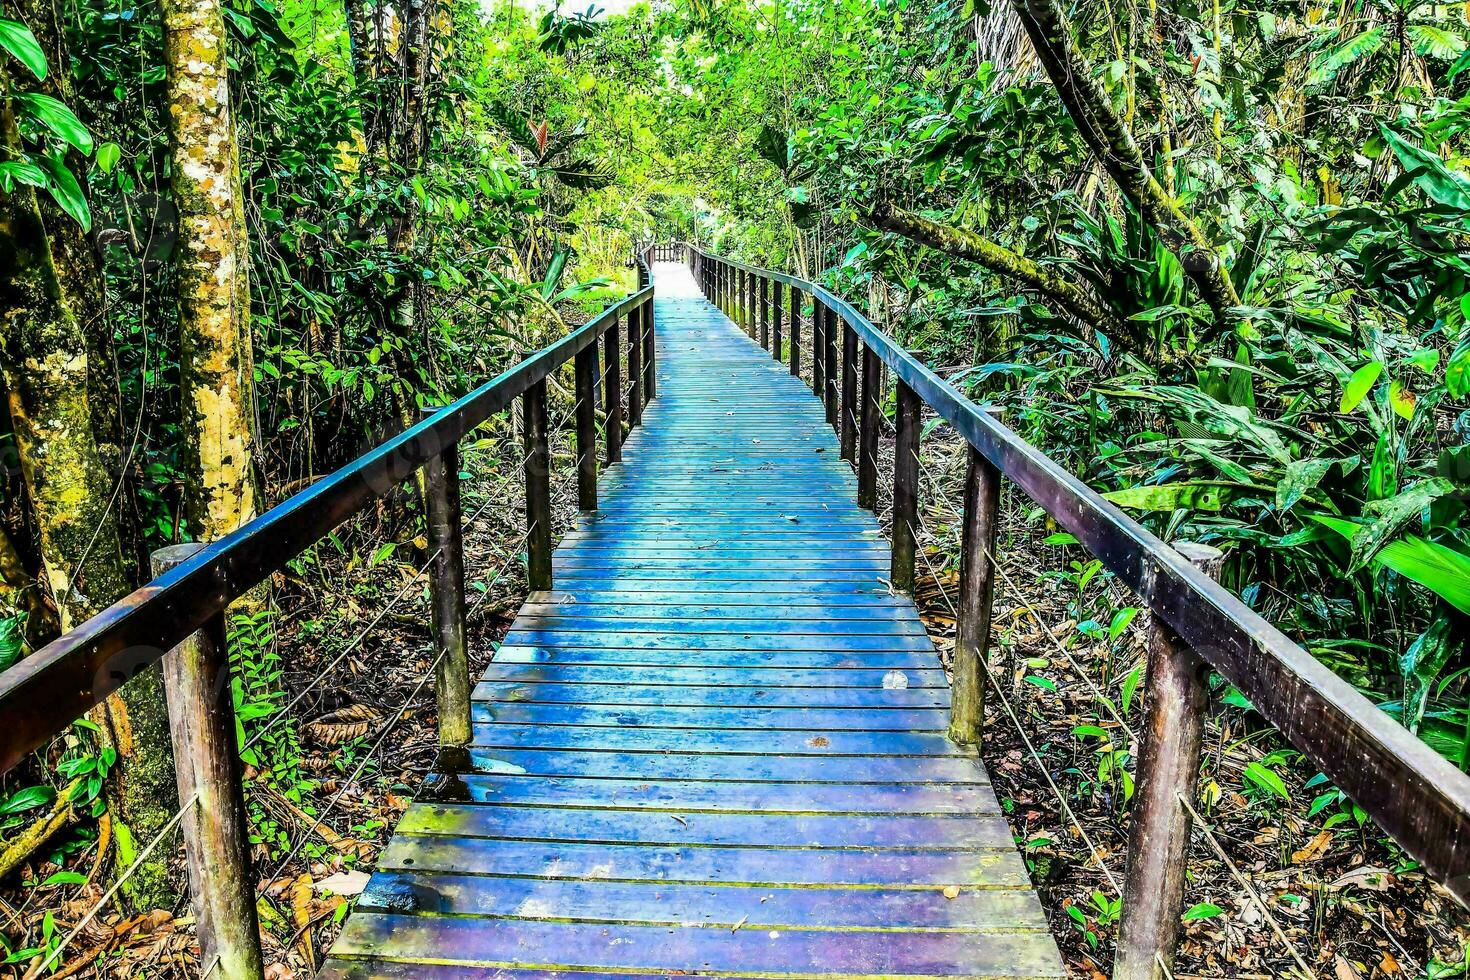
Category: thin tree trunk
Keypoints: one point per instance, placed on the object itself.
(213, 264)
(44, 358)
(1111, 141)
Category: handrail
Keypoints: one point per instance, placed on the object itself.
(1412, 792)
(46, 691)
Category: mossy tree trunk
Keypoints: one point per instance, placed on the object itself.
(43, 355)
(213, 263)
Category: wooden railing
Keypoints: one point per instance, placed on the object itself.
(181, 612)
(1421, 800)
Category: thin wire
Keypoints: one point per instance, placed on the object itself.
(165, 831)
(1020, 730)
(1245, 883)
(1199, 821)
(377, 743)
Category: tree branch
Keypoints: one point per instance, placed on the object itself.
(963, 244)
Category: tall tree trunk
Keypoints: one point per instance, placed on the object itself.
(44, 358)
(213, 269)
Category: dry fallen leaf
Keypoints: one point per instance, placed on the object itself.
(952, 891)
(343, 725)
(344, 883)
(1315, 848)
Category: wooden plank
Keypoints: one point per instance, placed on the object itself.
(723, 906)
(796, 741)
(800, 952)
(966, 832)
(670, 695)
(683, 676)
(674, 656)
(752, 767)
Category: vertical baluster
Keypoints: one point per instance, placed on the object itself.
(795, 332)
(833, 341)
(977, 591)
(446, 593)
(1168, 766)
(650, 371)
(538, 488)
(765, 307)
(819, 345)
(776, 311)
(871, 419)
(905, 489)
(847, 431)
(742, 312)
(635, 366)
(585, 368)
(612, 393)
(201, 717)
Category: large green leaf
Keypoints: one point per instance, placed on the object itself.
(55, 116)
(65, 189)
(1330, 62)
(1300, 478)
(1441, 570)
(1431, 175)
(1385, 518)
(1433, 41)
(17, 38)
(1359, 385)
(1421, 665)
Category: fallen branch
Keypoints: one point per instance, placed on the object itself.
(20, 849)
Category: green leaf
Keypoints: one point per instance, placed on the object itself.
(1359, 385)
(1441, 570)
(17, 38)
(21, 172)
(1421, 665)
(1402, 400)
(107, 156)
(1457, 370)
(1330, 62)
(1441, 184)
(1267, 779)
(382, 553)
(1435, 42)
(1383, 480)
(65, 189)
(55, 116)
(64, 878)
(1383, 519)
(1204, 910)
(1130, 685)
(1301, 477)
(1189, 495)
(28, 799)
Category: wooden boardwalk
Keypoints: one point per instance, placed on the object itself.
(718, 747)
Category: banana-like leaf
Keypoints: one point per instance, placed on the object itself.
(1330, 62)
(1443, 571)
(1191, 495)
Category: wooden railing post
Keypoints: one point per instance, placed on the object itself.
(829, 334)
(612, 393)
(585, 369)
(819, 347)
(847, 430)
(776, 311)
(538, 488)
(977, 591)
(795, 332)
(742, 308)
(635, 366)
(867, 450)
(650, 371)
(446, 595)
(1175, 702)
(216, 828)
(765, 310)
(905, 489)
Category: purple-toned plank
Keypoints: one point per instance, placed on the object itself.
(795, 742)
(800, 952)
(822, 719)
(745, 768)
